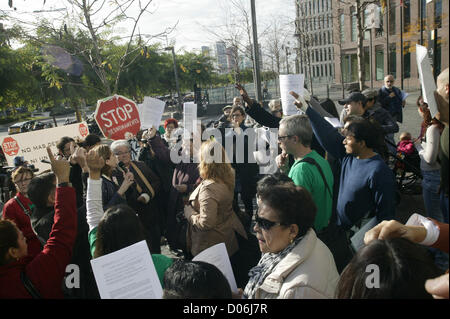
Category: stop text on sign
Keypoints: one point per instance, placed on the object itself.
(121, 112)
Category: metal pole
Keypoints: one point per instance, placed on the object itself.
(287, 59)
(421, 21)
(257, 77)
(387, 37)
(371, 58)
(401, 44)
(176, 80)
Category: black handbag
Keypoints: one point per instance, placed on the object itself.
(334, 236)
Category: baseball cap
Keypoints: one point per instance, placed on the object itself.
(226, 108)
(353, 97)
(370, 93)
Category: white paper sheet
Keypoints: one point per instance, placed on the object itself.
(217, 255)
(334, 121)
(290, 82)
(128, 273)
(426, 78)
(151, 112)
(189, 118)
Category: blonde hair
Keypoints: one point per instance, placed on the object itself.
(220, 172)
(21, 170)
(105, 152)
(404, 136)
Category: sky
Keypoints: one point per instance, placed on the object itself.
(192, 17)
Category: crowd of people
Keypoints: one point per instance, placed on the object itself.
(288, 235)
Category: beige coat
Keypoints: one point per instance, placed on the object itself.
(307, 272)
(213, 220)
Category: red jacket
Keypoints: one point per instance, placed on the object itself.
(442, 242)
(46, 268)
(14, 212)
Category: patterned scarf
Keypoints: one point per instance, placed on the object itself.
(264, 268)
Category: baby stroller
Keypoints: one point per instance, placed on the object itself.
(406, 168)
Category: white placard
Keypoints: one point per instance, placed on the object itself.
(426, 78)
(290, 82)
(128, 273)
(33, 145)
(189, 118)
(334, 121)
(151, 112)
(217, 255)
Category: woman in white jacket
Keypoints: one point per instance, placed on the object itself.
(295, 264)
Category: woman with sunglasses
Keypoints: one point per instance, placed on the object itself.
(295, 264)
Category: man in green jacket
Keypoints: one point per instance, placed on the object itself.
(295, 136)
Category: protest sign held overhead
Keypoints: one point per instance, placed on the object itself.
(151, 111)
(117, 115)
(290, 82)
(32, 145)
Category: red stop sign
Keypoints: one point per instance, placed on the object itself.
(10, 146)
(117, 115)
(84, 131)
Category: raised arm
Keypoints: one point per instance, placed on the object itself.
(329, 138)
(46, 271)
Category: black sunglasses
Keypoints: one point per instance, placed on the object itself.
(265, 223)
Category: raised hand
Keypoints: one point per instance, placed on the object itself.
(94, 162)
(60, 167)
(244, 94)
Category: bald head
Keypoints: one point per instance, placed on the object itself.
(442, 96)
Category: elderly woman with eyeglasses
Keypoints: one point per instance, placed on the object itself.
(20, 207)
(295, 264)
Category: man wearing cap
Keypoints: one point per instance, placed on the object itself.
(364, 104)
(224, 120)
(392, 98)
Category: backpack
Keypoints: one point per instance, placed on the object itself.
(334, 236)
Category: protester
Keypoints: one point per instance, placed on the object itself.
(173, 133)
(116, 228)
(186, 178)
(41, 192)
(428, 147)
(295, 264)
(90, 141)
(224, 120)
(275, 108)
(309, 170)
(392, 99)
(143, 195)
(421, 230)
(112, 194)
(210, 215)
(21, 263)
(66, 148)
(243, 161)
(387, 269)
(195, 280)
(367, 185)
(442, 100)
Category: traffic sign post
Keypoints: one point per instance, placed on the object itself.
(117, 115)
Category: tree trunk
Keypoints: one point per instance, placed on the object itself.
(360, 38)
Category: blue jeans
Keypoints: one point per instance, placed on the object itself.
(432, 200)
(430, 191)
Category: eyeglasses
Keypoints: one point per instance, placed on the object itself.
(23, 181)
(280, 138)
(121, 153)
(265, 223)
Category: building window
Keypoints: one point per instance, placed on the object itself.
(438, 56)
(438, 13)
(353, 18)
(366, 32)
(406, 60)
(379, 62)
(366, 57)
(424, 14)
(392, 6)
(393, 59)
(379, 32)
(406, 15)
(342, 26)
